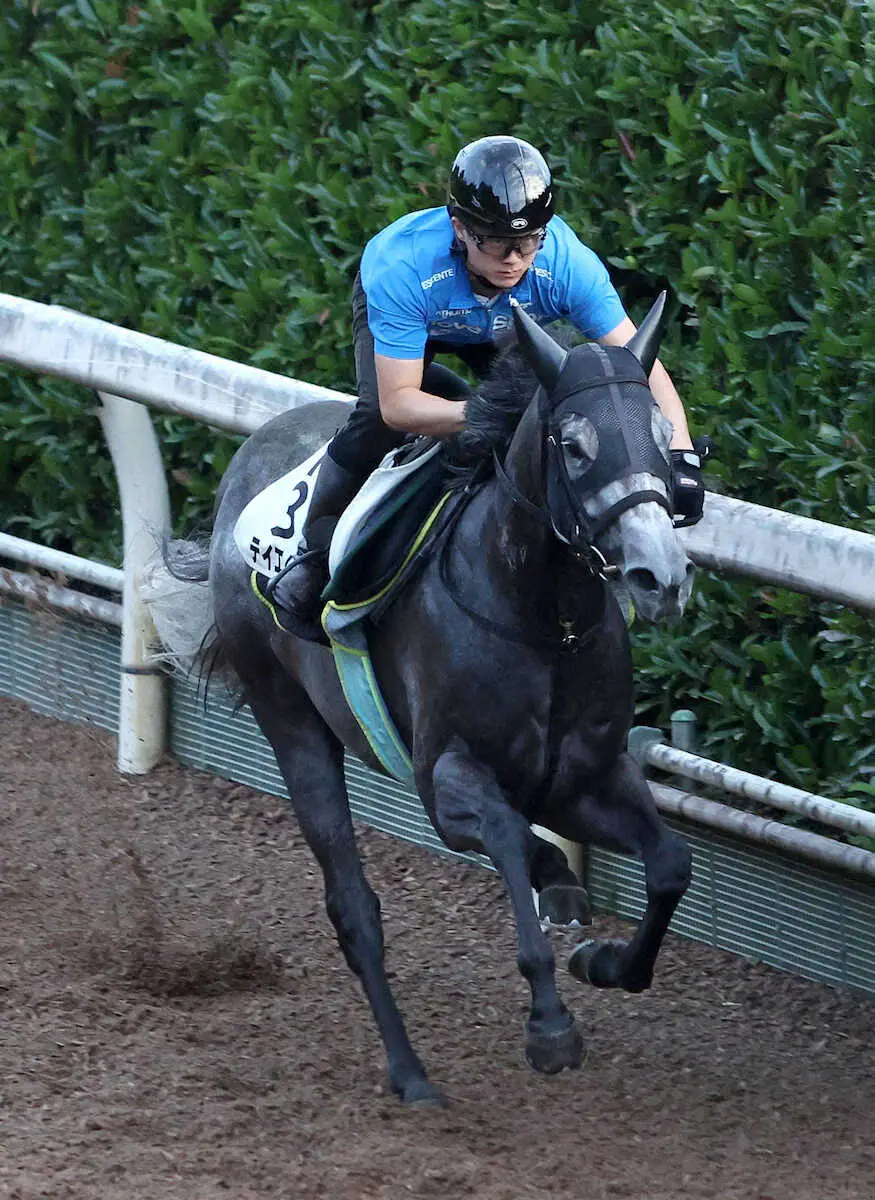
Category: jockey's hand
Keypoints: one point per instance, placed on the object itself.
(466, 448)
(688, 487)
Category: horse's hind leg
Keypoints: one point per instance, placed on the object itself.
(310, 759)
(472, 813)
(561, 899)
(623, 815)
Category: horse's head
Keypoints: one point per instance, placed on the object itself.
(606, 465)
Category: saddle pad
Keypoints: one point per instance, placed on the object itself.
(362, 692)
(268, 531)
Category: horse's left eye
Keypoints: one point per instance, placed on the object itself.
(580, 441)
(574, 449)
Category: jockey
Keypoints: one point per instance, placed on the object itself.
(440, 281)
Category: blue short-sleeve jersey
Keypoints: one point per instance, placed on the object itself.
(418, 290)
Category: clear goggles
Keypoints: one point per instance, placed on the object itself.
(503, 247)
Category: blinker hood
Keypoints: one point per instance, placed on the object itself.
(611, 383)
(609, 386)
(547, 358)
(620, 407)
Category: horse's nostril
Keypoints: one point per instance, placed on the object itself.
(643, 579)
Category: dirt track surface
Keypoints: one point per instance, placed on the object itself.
(177, 1022)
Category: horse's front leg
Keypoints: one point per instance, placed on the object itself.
(471, 812)
(622, 814)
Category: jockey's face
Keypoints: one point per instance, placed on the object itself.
(501, 272)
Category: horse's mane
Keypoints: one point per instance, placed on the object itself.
(494, 411)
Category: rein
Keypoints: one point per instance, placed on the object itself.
(584, 552)
(570, 640)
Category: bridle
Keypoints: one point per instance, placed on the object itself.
(583, 530)
(578, 532)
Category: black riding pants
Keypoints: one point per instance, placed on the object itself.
(365, 438)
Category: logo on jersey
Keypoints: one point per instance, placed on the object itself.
(447, 274)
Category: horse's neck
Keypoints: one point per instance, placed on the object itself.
(518, 546)
(521, 534)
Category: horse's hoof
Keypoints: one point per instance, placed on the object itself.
(551, 1053)
(419, 1093)
(561, 904)
(597, 962)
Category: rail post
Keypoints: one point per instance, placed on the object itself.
(145, 508)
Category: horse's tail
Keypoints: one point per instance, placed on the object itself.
(176, 590)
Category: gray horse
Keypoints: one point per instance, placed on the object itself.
(505, 664)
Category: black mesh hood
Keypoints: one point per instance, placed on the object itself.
(621, 407)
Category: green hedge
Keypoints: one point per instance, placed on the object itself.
(207, 171)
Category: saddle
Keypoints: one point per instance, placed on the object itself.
(382, 530)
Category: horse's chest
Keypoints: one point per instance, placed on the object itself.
(518, 746)
(581, 757)
(587, 731)
(539, 744)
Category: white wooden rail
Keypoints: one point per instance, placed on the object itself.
(765, 544)
(122, 366)
(175, 379)
(797, 553)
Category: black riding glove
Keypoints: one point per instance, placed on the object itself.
(469, 446)
(688, 487)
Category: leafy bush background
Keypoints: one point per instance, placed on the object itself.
(208, 171)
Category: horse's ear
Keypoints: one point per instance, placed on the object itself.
(644, 343)
(544, 355)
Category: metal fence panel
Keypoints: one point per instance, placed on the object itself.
(60, 667)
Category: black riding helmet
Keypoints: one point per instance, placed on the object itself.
(501, 187)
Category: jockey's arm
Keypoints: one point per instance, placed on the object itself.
(406, 407)
(664, 391)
